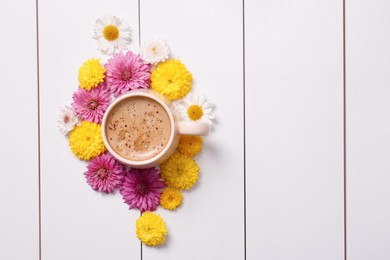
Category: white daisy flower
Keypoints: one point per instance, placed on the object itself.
(195, 107)
(112, 34)
(67, 120)
(154, 51)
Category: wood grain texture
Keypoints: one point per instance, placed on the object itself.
(368, 129)
(294, 122)
(207, 37)
(19, 213)
(77, 222)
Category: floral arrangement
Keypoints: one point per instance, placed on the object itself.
(99, 84)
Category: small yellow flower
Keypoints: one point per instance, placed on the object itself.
(91, 74)
(179, 171)
(150, 229)
(171, 198)
(172, 79)
(190, 145)
(86, 140)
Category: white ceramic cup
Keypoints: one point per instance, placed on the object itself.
(177, 129)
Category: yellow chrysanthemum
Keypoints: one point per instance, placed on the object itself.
(150, 229)
(86, 140)
(190, 145)
(179, 171)
(91, 74)
(172, 79)
(171, 198)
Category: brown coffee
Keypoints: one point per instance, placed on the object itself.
(138, 128)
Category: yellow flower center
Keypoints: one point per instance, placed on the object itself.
(195, 112)
(111, 32)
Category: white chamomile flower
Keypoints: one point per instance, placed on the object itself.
(195, 107)
(67, 120)
(112, 34)
(154, 51)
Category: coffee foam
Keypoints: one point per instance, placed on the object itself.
(138, 128)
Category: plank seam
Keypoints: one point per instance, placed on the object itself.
(139, 46)
(139, 23)
(244, 118)
(39, 135)
(345, 130)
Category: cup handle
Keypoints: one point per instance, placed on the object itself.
(193, 128)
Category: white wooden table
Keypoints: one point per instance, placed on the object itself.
(298, 166)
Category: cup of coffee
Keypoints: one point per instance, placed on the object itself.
(140, 130)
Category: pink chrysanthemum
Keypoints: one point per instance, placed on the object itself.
(105, 173)
(142, 189)
(126, 72)
(91, 105)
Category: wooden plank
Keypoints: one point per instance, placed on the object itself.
(294, 122)
(77, 223)
(19, 203)
(368, 128)
(207, 36)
